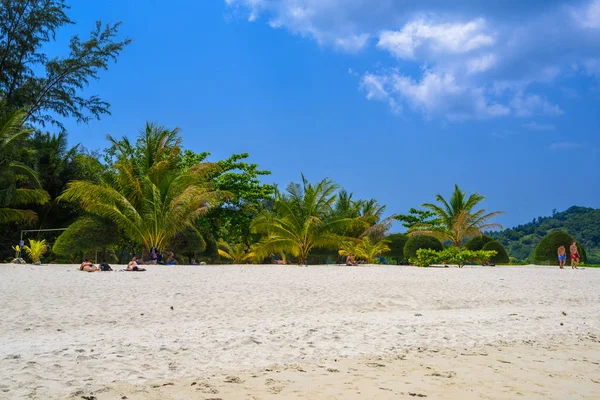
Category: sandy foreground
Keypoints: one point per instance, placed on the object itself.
(287, 332)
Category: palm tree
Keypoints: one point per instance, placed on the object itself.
(456, 220)
(303, 219)
(365, 249)
(237, 253)
(149, 197)
(369, 212)
(19, 184)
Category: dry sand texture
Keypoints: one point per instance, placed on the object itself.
(248, 332)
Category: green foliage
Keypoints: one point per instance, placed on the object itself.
(364, 249)
(145, 193)
(417, 242)
(456, 220)
(189, 243)
(51, 86)
(581, 222)
(36, 249)
(477, 242)
(231, 220)
(16, 179)
(85, 236)
(452, 255)
(302, 219)
(501, 256)
(415, 217)
(546, 250)
(396, 245)
(368, 215)
(236, 253)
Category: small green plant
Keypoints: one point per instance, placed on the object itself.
(36, 249)
(17, 248)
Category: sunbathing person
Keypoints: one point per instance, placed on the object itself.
(350, 261)
(88, 266)
(134, 265)
(171, 259)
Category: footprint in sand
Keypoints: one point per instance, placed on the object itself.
(207, 388)
(275, 387)
(233, 379)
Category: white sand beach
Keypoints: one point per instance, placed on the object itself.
(322, 332)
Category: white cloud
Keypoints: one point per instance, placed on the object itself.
(481, 63)
(528, 105)
(374, 86)
(482, 59)
(433, 95)
(352, 43)
(589, 15)
(446, 38)
(310, 18)
(534, 126)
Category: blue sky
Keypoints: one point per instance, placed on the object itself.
(390, 99)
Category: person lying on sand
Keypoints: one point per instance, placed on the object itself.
(88, 266)
(134, 265)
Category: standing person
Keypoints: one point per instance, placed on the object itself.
(574, 255)
(562, 256)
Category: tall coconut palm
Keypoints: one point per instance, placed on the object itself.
(19, 184)
(151, 200)
(457, 219)
(303, 219)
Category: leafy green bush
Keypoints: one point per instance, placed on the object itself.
(396, 245)
(85, 236)
(425, 258)
(546, 250)
(417, 242)
(478, 242)
(501, 256)
(452, 255)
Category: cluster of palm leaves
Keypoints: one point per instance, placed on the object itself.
(146, 193)
(19, 184)
(310, 216)
(456, 220)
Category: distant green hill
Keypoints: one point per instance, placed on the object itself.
(580, 222)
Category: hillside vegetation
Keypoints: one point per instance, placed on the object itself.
(582, 223)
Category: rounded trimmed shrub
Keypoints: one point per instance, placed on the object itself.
(396, 245)
(415, 243)
(546, 250)
(501, 256)
(477, 243)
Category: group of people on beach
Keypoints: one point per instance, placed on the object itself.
(562, 256)
(133, 265)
